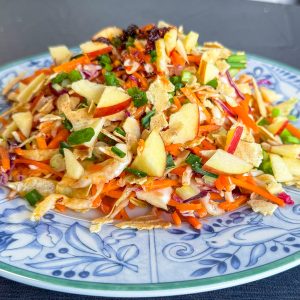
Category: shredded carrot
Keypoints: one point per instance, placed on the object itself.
(141, 145)
(194, 222)
(205, 111)
(95, 168)
(92, 55)
(28, 79)
(258, 190)
(207, 128)
(36, 100)
(194, 59)
(189, 94)
(38, 164)
(21, 135)
(206, 145)
(293, 130)
(97, 201)
(5, 161)
(177, 103)
(60, 207)
(228, 206)
(159, 184)
(72, 64)
(94, 190)
(185, 206)
(41, 142)
(178, 171)
(3, 121)
(142, 80)
(176, 218)
(110, 186)
(139, 112)
(177, 59)
(196, 150)
(60, 137)
(116, 194)
(46, 127)
(174, 149)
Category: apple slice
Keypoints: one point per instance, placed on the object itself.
(60, 54)
(223, 162)
(280, 169)
(187, 191)
(233, 138)
(87, 89)
(190, 41)
(73, 167)
(293, 165)
(112, 100)
(187, 120)
(24, 122)
(292, 151)
(152, 159)
(207, 71)
(278, 125)
(170, 39)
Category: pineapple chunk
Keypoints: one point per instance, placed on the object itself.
(23, 121)
(170, 39)
(162, 58)
(91, 46)
(190, 41)
(60, 54)
(73, 167)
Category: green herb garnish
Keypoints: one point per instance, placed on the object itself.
(74, 75)
(276, 112)
(111, 79)
(170, 162)
(118, 152)
(62, 146)
(66, 123)
(81, 136)
(116, 42)
(59, 78)
(139, 97)
(136, 172)
(120, 131)
(146, 120)
(33, 197)
(176, 81)
(186, 76)
(153, 55)
(83, 104)
(213, 83)
(107, 140)
(195, 162)
(266, 165)
(129, 42)
(263, 122)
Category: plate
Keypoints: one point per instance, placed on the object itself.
(59, 253)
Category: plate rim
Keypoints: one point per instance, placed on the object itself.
(149, 289)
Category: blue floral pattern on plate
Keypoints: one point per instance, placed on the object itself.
(62, 247)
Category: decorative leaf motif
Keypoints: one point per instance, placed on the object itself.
(256, 252)
(123, 234)
(63, 262)
(200, 272)
(222, 267)
(127, 253)
(221, 255)
(235, 262)
(48, 235)
(190, 236)
(208, 228)
(80, 238)
(108, 269)
(176, 231)
(208, 262)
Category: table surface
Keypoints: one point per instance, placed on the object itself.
(28, 28)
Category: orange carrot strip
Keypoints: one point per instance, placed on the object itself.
(38, 164)
(206, 145)
(116, 194)
(228, 206)
(258, 190)
(46, 127)
(174, 149)
(94, 190)
(293, 130)
(139, 112)
(177, 103)
(142, 80)
(177, 59)
(194, 222)
(189, 94)
(60, 137)
(205, 111)
(185, 206)
(97, 201)
(41, 142)
(95, 168)
(60, 207)
(207, 128)
(176, 219)
(110, 186)
(178, 171)
(196, 150)
(194, 59)
(71, 65)
(3, 121)
(28, 79)
(4, 158)
(159, 184)
(96, 53)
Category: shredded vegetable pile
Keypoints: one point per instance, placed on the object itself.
(147, 117)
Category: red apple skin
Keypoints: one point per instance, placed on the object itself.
(235, 139)
(110, 110)
(282, 127)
